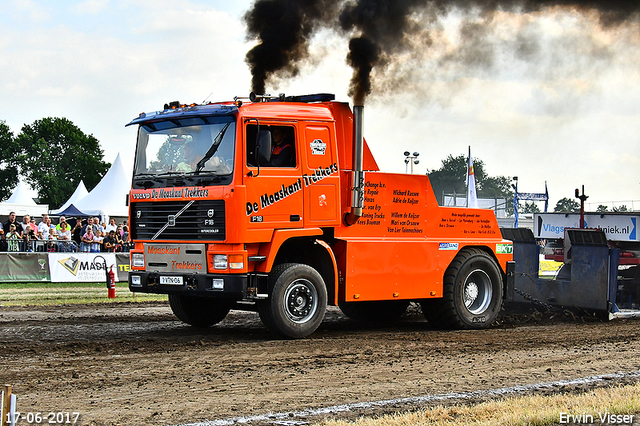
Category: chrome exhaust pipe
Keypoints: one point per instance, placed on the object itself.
(357, 201)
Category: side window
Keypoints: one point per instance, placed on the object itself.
(283, 145)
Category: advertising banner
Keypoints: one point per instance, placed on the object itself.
(81, 267)
(617, 227)
(124, 266)
(24, 267)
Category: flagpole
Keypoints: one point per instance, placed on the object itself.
(468, 163)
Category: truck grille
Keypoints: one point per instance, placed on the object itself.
(166, 220)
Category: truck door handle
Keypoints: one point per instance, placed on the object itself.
(294, 218)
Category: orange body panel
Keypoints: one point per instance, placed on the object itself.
(404, 241)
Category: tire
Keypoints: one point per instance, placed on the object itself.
(377, 313)
(199, 311)
(297, 301)
(472, 293)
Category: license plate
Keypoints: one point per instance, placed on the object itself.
(171, 280)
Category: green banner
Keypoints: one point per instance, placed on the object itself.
(24, 267)
(35, 267)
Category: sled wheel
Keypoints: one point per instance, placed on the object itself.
(297, 301)
(472, 293)
(198, 311)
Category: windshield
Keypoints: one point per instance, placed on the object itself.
(204, 149)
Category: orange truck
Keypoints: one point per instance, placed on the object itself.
(276, 204)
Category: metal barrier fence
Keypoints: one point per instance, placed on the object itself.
(42, 246)
(53, 246)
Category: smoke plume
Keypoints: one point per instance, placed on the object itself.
(284, 28)
(387, 38)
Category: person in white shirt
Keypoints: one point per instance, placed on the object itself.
(111, 226)
(43, 227)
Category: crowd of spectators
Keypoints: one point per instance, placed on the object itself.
(86, 235)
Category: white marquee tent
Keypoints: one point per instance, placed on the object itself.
(108, 198)
(78, 194)
(21, 202)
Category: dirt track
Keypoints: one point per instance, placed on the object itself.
(134, 364)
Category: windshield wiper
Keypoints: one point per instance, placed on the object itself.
(170, 173)
(212, 150)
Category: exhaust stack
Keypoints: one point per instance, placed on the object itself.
(357, 201)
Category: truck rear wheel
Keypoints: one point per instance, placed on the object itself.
(297, 301)
(198, 311)
(472, 293)
(379, 312)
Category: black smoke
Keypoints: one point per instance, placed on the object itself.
(284, 28)
(380, 32)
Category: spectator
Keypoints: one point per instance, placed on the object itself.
(59, 225)
(64, 236)
(87, 240)
(93, 223)
(100, 230)
(98, 233)
(111, 226)
(51, 245)
(32, 224)
(25, 224)
(30, 237)
(3, 241)
(119, 243)
(12, 220)
(126, 238)
(13, 239)
(53, 232)
(110, 242)
(89, 222)
(43, 227)
(76, 233)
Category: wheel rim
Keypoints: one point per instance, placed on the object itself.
(301, 301)
(477, 292)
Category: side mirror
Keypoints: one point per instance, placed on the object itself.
(264, 147)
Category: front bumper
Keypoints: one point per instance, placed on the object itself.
(230, 286)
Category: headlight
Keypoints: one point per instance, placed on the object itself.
(137, 260)
(220, 261)
(135, 280)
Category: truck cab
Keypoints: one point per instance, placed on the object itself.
(250, 204)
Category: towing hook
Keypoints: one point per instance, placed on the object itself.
(191, 282)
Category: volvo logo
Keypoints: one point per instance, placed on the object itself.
(210, 212)
(171, 219)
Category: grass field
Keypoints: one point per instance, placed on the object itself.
(40, 294)
(614, 405)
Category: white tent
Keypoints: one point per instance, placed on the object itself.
(108, 198)
(78, 194)
(21, 202)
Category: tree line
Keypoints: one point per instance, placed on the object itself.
(452, 177)
(52, 155)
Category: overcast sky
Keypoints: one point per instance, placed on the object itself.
(552, 97)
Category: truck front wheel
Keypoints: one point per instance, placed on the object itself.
(297, 301)
(472, 293)
(198, 311)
